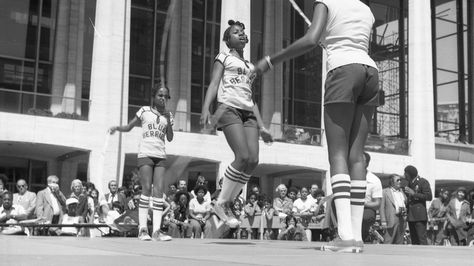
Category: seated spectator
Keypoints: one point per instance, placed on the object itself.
(457, 213)
(320, 233)
(282, 204)
(3, 185)
(292, 193)
(292, 230)
(237, 212)
(179, 226)
(437, 218)
(199, 211)
(25, 198)
(251, 210)
(201, 181)
(11, 214)
(70, 217)
(303, 210)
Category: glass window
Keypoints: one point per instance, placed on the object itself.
(301, 76)
(389, 49)
(141, 48)
(451, 74)
(26, 61)
(205, 46)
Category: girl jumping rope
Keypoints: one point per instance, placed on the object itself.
(237, 116)
(156, 123)
(351, 95)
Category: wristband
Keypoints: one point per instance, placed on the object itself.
(269, 62)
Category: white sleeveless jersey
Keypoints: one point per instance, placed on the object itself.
(154, 127)
(347, 33)
(235, 88)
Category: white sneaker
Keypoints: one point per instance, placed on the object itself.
(143, 234)
(159, 236)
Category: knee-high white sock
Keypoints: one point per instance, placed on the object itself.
(341, 188)
(232, 179)
(245, 178)
(157, 213)
(358, 188)
(143, 205)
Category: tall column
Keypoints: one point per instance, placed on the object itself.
(179, 63)
(420, 89)
(272, 86)
(109, 89)
(228, 11)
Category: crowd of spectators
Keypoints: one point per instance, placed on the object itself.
(299, 214)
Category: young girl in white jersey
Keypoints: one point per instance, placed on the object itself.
(351, 95)
(237, 116)
(156, 123)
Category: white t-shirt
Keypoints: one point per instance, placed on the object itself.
(347, 33)
(154, 127)
(300, 206)
(199, 209)
(374, 187)
(235, 88)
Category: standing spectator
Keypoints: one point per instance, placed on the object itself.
(282, 204)
(11, 214)
(373, 198)
(182, 185)
(312, 191)
(216, 193)
(418, 193)
(3, 185)
(50, 203)
(172, 189)
(114, 196)
(393, 212)
(199, 211)
(25, 198)
(251, 209)
(457, 213)
(437, 217)
(201, 181)
(268, 212)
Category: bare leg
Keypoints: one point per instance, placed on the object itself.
(338, 119)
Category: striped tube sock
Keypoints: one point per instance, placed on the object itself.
(143, 205)
(232, 179)
(157, 208)
(244, 177)
(341, 187)
(358, 188)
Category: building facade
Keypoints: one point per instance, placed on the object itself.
(69, 70)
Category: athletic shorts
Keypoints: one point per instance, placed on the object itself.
(152, 161)
(353, 83)
(228, 115)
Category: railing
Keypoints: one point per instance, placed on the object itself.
(301, 135)
(385, 144)
(41, 104)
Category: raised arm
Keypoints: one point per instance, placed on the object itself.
(300, 46)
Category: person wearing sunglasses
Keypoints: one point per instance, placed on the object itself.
(393, 211)
(157, 125)
(25, 198)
